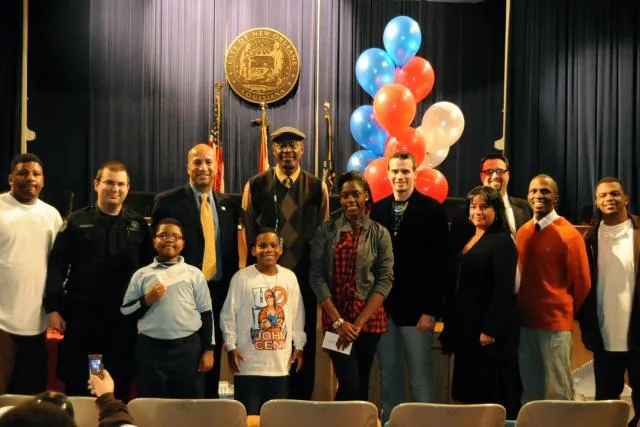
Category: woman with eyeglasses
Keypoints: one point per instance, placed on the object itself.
(351, 275)
(480, 320)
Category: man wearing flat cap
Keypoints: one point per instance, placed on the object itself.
(295, 203)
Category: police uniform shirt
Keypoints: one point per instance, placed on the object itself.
(96, 254)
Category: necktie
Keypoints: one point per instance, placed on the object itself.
(537, 227)
(288, 182)
(511, 220)
(209, 231)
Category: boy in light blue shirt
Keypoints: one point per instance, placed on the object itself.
(172, 302)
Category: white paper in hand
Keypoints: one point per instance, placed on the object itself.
(330, 343)
(171, 276)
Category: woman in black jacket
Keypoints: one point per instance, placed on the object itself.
(481, 325)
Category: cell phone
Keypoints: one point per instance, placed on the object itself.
(95, 365)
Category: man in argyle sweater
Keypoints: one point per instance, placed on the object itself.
(295, 203)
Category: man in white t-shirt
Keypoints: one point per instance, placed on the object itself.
(262, 321)
(28, 227)
(610, 318)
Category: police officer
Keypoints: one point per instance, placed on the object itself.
(92, 261)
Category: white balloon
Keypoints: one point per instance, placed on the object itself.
(431, 160)
(442, 125)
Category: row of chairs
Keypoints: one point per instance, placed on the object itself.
(152, 412)
(543, 413)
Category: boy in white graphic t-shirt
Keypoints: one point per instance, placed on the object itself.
(262, 321)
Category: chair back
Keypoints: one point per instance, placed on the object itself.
(433, 414)
(564, 413)
(296, 413)
(85, 409)
(13, 399)
(155, 412)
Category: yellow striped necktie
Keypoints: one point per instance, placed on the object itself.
(209, 231)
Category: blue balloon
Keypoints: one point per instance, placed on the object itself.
(360, 160)
(401, 39)
(366, 130)
(374, 69)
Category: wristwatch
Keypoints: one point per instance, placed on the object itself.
(336, 325)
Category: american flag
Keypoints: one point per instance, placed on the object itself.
(215, 138)
(263, 161)
(218, 164)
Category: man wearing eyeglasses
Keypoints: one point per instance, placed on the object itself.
(494, 172)
(91, 263)
(293, 202)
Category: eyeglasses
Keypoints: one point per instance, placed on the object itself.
(287, 144)
(111, 184)
(490, 172)
(168, 236)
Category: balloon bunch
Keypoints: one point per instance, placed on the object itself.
(397, 80)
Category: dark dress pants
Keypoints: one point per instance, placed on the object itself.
(353, 370)
(609, 368)
(218, 292)
(23, 363)
(94, 332)
(301, 383)
(169, 368)
(253, 390)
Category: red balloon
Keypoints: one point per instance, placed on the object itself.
(432, 183)
(376, 176)
(394, 107)
(417, 75)
(408, 140)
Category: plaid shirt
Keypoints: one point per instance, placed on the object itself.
(345, 291)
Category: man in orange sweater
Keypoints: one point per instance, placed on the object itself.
(555, 283)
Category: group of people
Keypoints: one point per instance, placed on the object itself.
(507, 285)
(521, 283)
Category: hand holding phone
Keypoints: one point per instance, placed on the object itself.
(95, 365)
(99, 386)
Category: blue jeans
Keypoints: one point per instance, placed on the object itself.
(545, 364)
(398, 343)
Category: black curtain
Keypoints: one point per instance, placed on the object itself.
(133, 80)
(10, 76)
(59, 92)
(573, 109)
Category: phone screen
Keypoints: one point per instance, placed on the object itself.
(95, 364)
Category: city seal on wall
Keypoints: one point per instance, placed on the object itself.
(262, 65)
